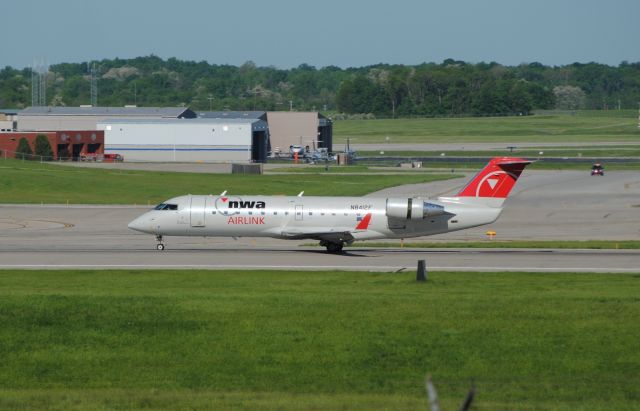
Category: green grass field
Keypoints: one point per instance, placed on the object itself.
(584, 126)
(353, 169)
(115, 340)
(613, 151)
(477, 164)
(28, 182)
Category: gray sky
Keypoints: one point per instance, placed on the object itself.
(286, 33)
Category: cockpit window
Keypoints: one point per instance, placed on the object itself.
(164, 206)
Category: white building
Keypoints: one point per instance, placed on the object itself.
(187, 140)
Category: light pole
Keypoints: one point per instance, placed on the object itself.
(210, 98)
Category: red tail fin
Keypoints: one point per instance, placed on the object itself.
(496, 179)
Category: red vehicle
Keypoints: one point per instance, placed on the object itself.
(597, 170)
(113, 158)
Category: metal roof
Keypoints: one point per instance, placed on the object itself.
(174, 112)
(180, 120)
(256, 123)
(233, 114)
(9, 111)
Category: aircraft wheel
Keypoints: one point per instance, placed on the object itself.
(160, 247)
(334, 248)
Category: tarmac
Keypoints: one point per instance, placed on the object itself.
(545, 205)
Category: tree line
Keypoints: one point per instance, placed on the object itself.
(449, 88)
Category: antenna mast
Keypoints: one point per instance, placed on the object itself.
(39, 84)
(94, 86)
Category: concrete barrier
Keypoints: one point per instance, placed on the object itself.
(246, 169)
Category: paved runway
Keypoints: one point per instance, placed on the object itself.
(545, 205)
(305, 258)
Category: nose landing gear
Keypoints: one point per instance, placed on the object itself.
(159, 246)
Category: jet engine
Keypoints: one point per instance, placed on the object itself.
(412, 208)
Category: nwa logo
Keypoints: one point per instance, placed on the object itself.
(494, 184)
(233, 205)
(246, 204)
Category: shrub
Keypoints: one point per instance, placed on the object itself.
(43, 148)
(23, 152)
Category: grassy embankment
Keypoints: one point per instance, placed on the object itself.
(87, 340)
(28, 182)
(583, 127)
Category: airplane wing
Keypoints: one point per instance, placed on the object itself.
(343, 235)
(333, 236)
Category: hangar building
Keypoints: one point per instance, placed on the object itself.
(287, 128)
(66, 145)
(87, 118)
(193, 140)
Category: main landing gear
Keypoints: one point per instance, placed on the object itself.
(332, 247)
(159, 246)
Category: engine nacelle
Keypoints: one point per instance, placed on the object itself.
(412, 208)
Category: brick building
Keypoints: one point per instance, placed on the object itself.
(66, 145)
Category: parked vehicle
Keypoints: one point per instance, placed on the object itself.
(597, 170)
(92, 157)
(113, 158)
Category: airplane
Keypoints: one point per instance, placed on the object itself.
(335, 221)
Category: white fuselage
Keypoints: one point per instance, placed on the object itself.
(306, 217)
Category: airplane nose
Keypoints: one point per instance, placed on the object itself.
(137, 224)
